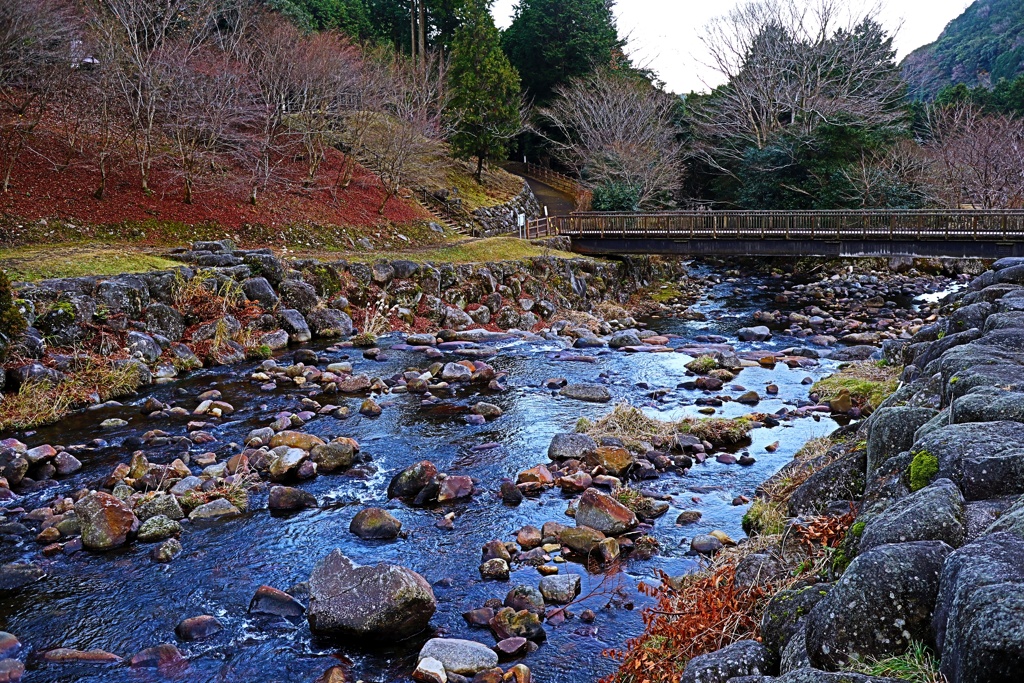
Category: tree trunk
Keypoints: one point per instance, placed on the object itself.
(101, 191)
(480, 170)
(423, 33)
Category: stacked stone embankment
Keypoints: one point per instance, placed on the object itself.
(936, 477)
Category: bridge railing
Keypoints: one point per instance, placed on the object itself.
(1000, 225)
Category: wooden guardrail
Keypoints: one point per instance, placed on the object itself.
(965, 225)
(582, 196)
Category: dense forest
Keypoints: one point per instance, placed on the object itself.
(815, 112)
(981, 47)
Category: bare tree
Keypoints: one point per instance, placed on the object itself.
(131, 34)
(206, 104)
(35, 56)
(794, 65)
(404, 135)
(977, 159)
(611, 128)
(327, 71)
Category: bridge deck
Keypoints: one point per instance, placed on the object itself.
(984, 234)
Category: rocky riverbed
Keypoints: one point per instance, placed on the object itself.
(337, 511)
(930, 490)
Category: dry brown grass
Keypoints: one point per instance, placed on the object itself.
(38, 404)
(868, 382)
(636, 429)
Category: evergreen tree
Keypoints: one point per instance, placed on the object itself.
(551, 42)
(484, 87)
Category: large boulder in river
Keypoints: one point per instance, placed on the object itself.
(985, 459)
(883, 602)
(978, 622)
(935, 513)
(603, 513)
(106, 521)
(384, 602)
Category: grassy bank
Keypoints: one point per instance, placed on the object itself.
(468, 251)
(28, 264)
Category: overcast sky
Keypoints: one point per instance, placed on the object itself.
(664, 33)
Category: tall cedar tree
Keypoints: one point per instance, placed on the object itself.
(485, 89)
(551, 42)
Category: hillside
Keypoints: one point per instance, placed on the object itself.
(980, 47)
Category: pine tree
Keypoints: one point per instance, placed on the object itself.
(553, 41)
(485, 89)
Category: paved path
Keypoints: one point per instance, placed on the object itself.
(558, 204)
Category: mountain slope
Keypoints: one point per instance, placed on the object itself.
(980, 47)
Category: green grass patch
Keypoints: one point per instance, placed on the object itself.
(917, 665)
(28, 264)
(923, 469)
(666, 293)
(867, 382)
(468, 251)
(765, 517)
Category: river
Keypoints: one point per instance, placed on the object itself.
(122, 602)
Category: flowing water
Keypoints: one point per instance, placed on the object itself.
(122, 602)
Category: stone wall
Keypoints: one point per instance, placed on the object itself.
(504, 218)
(141, 318)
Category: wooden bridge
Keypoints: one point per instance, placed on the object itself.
(965, 233)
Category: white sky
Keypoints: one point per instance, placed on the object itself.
(664, 33)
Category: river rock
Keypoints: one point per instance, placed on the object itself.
(333, 456)
(11, 670)
(754, 334)
(977, 620)
(288, 499)
(198, 628)
(293, 322)
(570, 446)
(159, 657)
(560, 588)
(508, 623)
(286, 465)
(615, 460)
(160, 504)
(935, 513)
(705, 544)
(603, 513)
(384, 601)
(375, 524)
(742, 658)
(327, 323)
(214, 510)
(158, 528)
(840, 480)
(882, 602)
(429, 670)
(106, 521)
(9, 644)
(166, 551)
(410, 481)
(464, 657)
(301, 440)
(494, 569)
(591, 393)
(271, 601)
(580, 540)
(17, 575)
(525, 597)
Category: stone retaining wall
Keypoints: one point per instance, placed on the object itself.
(292, 302)
(504, 218)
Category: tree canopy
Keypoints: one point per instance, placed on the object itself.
(485, 89)
(551, 42)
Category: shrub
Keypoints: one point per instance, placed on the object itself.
(616, 196)
(923, 468)
(12, 322)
